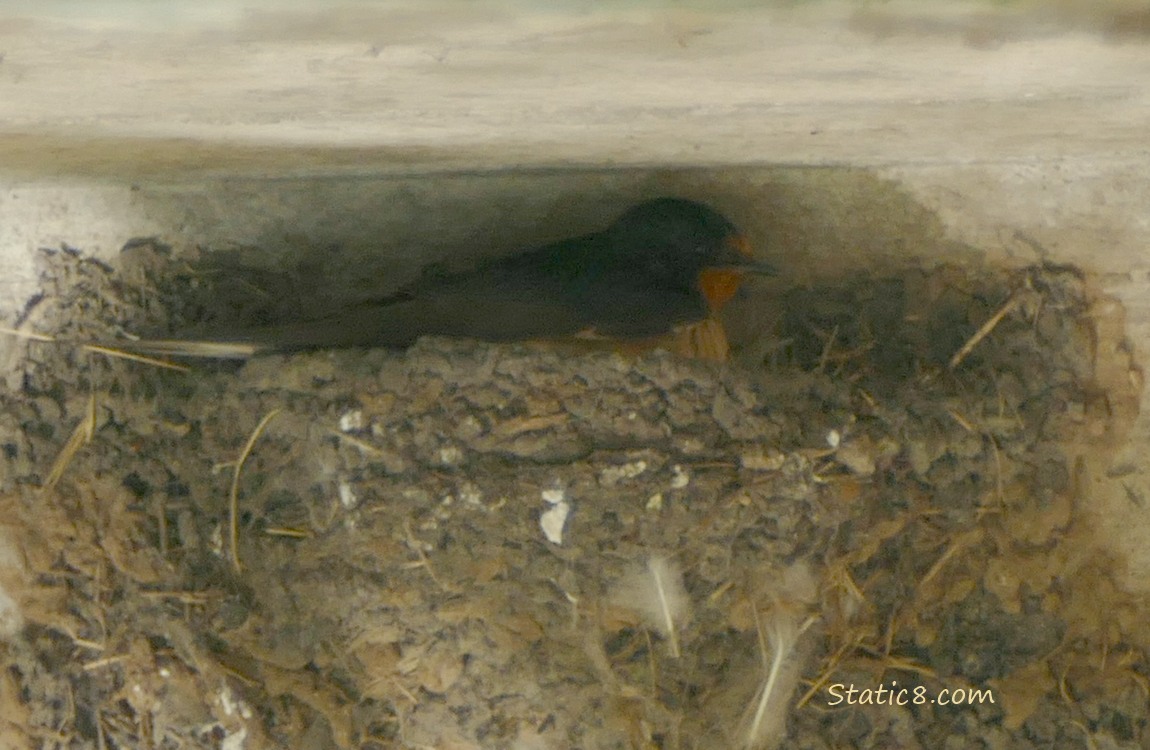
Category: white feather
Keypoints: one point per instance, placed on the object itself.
(656, 592)
(768, 722)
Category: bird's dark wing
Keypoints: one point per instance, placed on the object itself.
(584, 285)
(485, 307)
(498, 305)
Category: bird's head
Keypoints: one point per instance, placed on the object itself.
(686, 244)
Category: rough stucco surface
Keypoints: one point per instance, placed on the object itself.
(1000, 121)
(814, 84)
(1008, 137)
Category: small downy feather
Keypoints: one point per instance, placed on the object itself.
(767, 715)
(656, 592)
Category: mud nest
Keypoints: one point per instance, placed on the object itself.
(466, 545)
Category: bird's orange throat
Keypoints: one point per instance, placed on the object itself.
(719, 285)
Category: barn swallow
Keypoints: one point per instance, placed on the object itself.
(656, 277)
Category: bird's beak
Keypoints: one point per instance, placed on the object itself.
(736, 254)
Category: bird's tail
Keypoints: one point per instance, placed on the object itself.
(357, 328)
(193, 349)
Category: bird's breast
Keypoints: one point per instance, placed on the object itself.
(719, 285)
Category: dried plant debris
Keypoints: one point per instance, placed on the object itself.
(881, 506)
